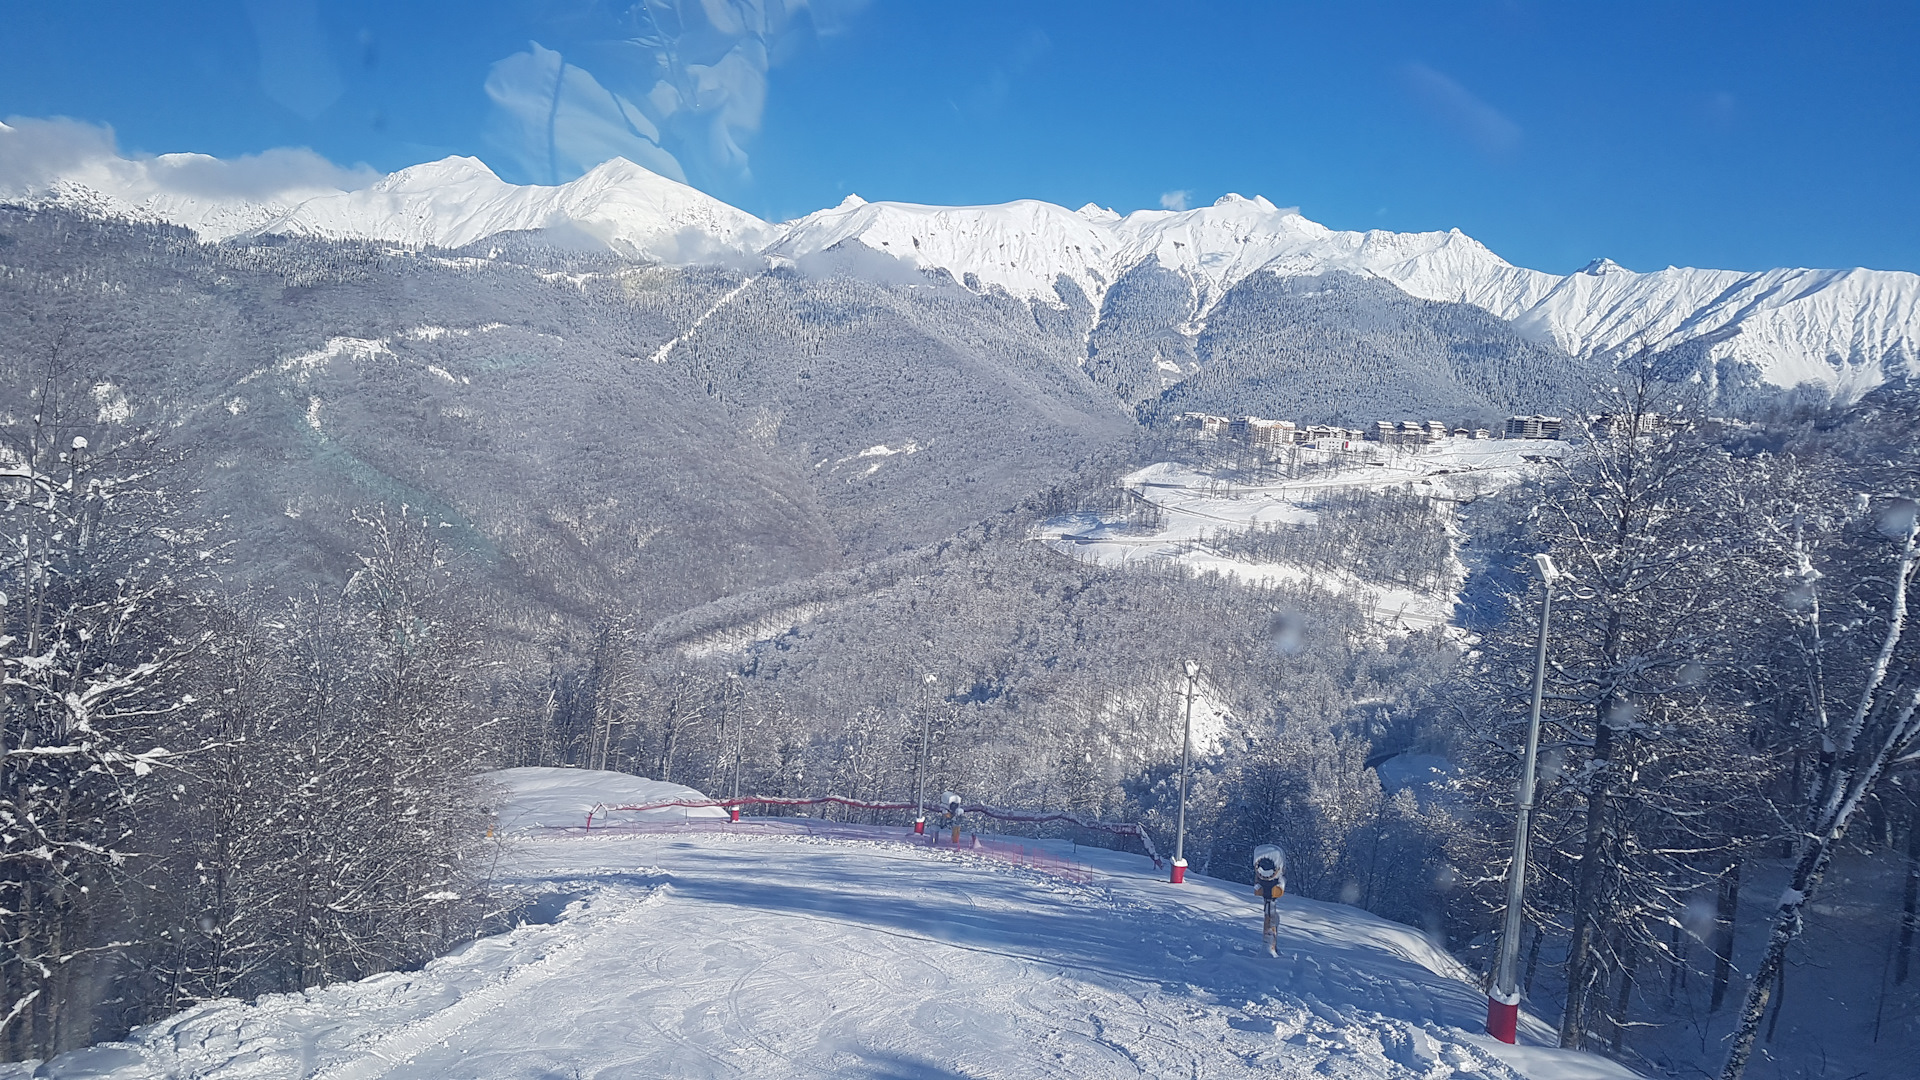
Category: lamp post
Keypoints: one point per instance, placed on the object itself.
(920, 770)
(1192, 668)
(731, 704)
(1503, 1001)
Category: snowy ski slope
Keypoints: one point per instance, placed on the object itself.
(1197, 505)
(708, 950)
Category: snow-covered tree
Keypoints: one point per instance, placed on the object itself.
(91, 565)
(1644, 748)
(1849, 557)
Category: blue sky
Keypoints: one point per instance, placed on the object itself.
(1706, 134)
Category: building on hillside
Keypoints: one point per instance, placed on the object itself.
(1331, 437)
(1533, 427)
(1606, 425)
(1405, 433)
(1270, 434)
(1436, 431)
(1205, 424)
(1482, 433)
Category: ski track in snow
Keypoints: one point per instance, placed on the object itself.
(660, 354)
(740, 953)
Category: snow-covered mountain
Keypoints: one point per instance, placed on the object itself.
(1840, 331)
(1024, 247)
(448, 203)
(458, 200)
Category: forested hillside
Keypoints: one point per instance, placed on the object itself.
(1348, 350)
(302, 536)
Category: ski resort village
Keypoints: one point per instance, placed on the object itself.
(511, 570)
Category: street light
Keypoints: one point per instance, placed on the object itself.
(1503, 1001)
(920, 768)
(1192, 668)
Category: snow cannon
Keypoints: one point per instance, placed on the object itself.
(1270, 871)
(733, 812)
(953, 814)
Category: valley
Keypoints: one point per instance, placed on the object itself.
(330, 503)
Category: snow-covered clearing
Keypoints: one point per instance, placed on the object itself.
(536, 798)
(784, 947)
(1198, 506)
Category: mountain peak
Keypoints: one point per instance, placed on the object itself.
(851, 202)
(1258, 202)
(1602, 266)
(433, 174)
(620, 170)
(1095, 212)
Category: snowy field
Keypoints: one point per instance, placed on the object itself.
(770, 949)
(540, 799)
(1198, 506)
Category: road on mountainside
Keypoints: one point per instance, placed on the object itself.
(736, 953)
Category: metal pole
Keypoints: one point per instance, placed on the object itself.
(920, 777)
(1503, 1003)
(920, 763)
(739, 735)
(1186, 754)
(739, 751)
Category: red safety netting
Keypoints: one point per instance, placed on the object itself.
(1116, 828)
(1033, 855)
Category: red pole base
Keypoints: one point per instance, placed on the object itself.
(733, 812)
(919, 826)
(1503, 1020)
(1179, 871)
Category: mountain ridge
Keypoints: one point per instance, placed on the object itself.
(1840, 332)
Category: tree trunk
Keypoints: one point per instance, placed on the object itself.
(1581, 962)
(1676, 961)
(1910, 906)
(1779, 1001)
(1620, 1006)
(1786, 926)
(1533, 954)
(1723, 927)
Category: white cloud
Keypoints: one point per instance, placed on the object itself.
(35, 153)
(78, 164)
(1457, 109)
(1175, 200)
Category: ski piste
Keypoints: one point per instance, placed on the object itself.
(680, 943)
